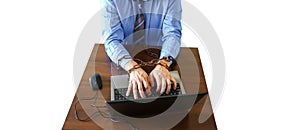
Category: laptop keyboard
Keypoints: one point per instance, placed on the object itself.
(120, 93)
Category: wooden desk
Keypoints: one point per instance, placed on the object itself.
(187, 60)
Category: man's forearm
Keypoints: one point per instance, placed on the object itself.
(170, 47)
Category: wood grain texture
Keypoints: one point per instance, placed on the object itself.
(192, 75)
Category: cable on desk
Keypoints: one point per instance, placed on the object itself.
(75, 108)
(103, 114)
(125, 122)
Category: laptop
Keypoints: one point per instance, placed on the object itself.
(145, 106)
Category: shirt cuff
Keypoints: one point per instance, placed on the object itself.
(171, 47)
(163, 54)
(123, 62)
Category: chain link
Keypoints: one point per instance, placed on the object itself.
(153, 62)
(149, 63)
(154, 55)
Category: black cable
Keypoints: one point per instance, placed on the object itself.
(80, 119)
(75, 108)
(103, 114)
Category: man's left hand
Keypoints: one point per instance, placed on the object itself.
(163, 79)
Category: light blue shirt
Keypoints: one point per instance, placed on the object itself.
(162, 26)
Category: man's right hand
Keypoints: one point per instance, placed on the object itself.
(138, 79)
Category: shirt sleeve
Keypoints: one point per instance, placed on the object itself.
(113, 35)
(172, 30)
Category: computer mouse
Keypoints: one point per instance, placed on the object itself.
(95, 81)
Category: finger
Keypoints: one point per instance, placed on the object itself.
(174, 83)
(151, 78)
(140, 88)
(158, 82)
(163, 85)
(147, 86)
(146, 83)
(135, 94)
(148, 92)
(129, 89)
(168, 86)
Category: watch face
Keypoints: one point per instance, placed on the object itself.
(170, 59)
(173, 62)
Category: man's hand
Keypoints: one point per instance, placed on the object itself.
(137, 79)
(163, 79)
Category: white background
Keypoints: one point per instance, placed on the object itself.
(260, 39)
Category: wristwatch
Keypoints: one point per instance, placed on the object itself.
(169, 59)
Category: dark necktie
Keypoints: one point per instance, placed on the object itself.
(139, 24)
